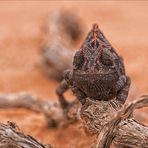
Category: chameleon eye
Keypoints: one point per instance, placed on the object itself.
(78, 60)
(107, 62)
(106, 58)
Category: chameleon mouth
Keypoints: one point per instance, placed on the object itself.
(92, 73)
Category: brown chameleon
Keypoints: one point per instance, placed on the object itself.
(98, 72)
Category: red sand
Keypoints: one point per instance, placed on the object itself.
(125, 25)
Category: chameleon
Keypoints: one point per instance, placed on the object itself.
(98, 72)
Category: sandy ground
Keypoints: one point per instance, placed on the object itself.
(125, 25)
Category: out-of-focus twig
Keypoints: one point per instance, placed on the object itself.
(55, 59)
(51, 110)
(63, 31)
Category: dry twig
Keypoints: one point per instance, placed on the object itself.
(11, 137)
(109, 120)
(53, 112)
(116, 125)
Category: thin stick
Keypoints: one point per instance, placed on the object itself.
(11, 137)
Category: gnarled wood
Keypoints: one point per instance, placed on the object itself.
(11, 137)
(115, 124)
(108, 120)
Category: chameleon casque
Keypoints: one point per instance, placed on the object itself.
(98, 72)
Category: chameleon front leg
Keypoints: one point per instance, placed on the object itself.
(123, 85)
(79, 94)
(61, 89)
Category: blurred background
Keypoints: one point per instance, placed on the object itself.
(28, 29)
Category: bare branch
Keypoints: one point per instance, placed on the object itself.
(51, 110)
(109, 120)
(11, 137)
(118, 125)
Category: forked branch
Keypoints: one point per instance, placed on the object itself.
(122, 129)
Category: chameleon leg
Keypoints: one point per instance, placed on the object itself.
(63, 87)
(79, 94)
(123, 88)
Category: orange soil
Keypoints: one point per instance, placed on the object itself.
(125, 25)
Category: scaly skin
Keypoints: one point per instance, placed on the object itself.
(98, 72)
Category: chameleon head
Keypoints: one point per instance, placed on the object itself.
(96, 52)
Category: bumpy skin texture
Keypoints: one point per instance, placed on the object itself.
(98, 72)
